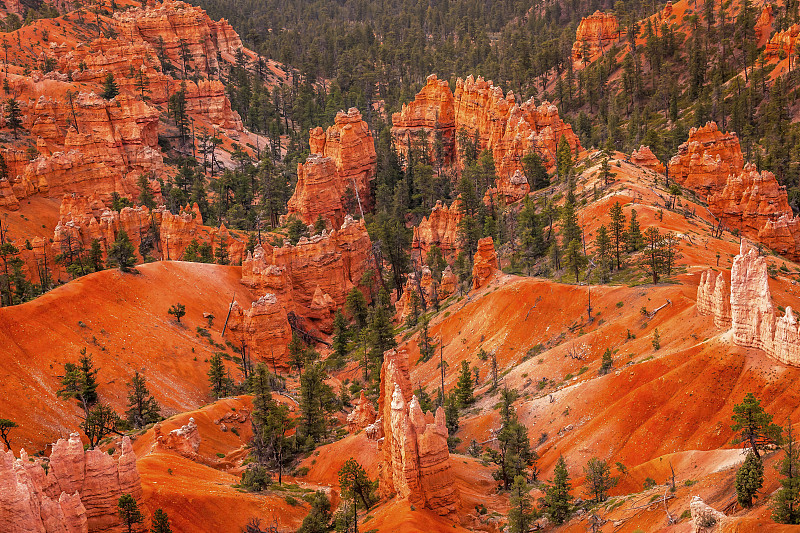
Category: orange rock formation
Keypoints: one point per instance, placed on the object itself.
(480, 109)
(415, 461)
(485, 263)
(644, 157)
(264, 329)
(185, 440)
(704, 162)
(77, 493)
(342, 163)
(594, 33)
(362, 415)
(783, 43)
(439, 229)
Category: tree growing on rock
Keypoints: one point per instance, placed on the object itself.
(6, 426)
(598, 479)
(110, 88)
(557, 501)
(786, 502)
(13, 115)
(129, 512)
(753, 425)
(178, 311)
(120, 253)
(356, 487)
(749, 479)
(143, 409)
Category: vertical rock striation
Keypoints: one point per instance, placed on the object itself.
(485, 263)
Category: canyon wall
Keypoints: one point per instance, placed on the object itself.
(594, 33)
(342, 163)
(414, 458)
(747, 201)
(748, 308)
(78, 492)
(480, 111)
(264, 329)
(440, 229)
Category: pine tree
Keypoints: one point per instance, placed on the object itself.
(464, 386)
(786, 503)
(521, 514)
(574, 259)
(142, 84)
(570, 230)
(143, 409)
(563, 158)
(753, 425)
(316, 401)
(100, 422)
(80, 382)
(557, 501)
(356, 487)
(357, 307)
(271, 422)
(13, 115)
(221, 253)
(160, 523)
(217, 376)
(598, 479)
(319, 516)
(120, 254)
(129, 511)
(607, 362)
(146, 197)
(6, 426)
(340, 335)
(427, 348)
(749, 479)
(535, 171)
(633, 239)
(513, 455)
(178, 311)
(653, 257)
(617, 230)
(110, 88)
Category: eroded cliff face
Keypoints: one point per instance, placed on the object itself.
(337, 173)
(362, 415)
(484, 266)
(414, 458)
(594, 33)
(704, 162)
(78, 493)
(644, 157)
(481, 111)
(265, 330)
(748, 308)
(782, 43)
(439, 229)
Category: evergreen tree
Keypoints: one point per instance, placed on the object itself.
(13, 115)
(100, 422)
(633, 238)
(598, 479)
(297, 353)
(120, 254)
(129, 511)
(557, 501)
(521, 514)
(749, 479)
(316, 401)
(513, 455)
(143, 409)
(356, 487)
(318, 518)
(605, 366)
(754, 425)
(178, 311)
(340, 335)
(217, 376)
(427, 348)
(617, 231)
(653, 258)
(146, 197)
(786, 502)
(357, 307)
(451, 419)
(110, 88)
(221, 253)
(6, 426)
(574, 259)
(535, 171)
(271, 423)
(465, 386)
(160, 522)
(563, 158)
(80, 382)
(570, 230)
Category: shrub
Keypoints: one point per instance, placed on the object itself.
(255, 478)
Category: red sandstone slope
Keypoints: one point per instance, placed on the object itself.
(121, 319)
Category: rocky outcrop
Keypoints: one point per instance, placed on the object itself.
(77, 493)
(594, 33)
(414, 458)
(750, 199)
(311, 279)
(481, 111)
(337, 173)
(706, 519)
(644, 157)
(432, 291)
(485, 265)
(264, 329)
(783, 43)
(440, 229)
(752, 314)
(185, 440)
(511, 189)
(704, 162)
(763, 26)
(362, 415)
(428, 119)
(713, 298)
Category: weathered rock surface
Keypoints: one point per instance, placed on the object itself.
(264, 329)
(485, 265)
(362, 415)
(594, 33)
(704, 162)
(313, 278)
(644, 157)
(185, 440)
(783, 43)
(342, 162)
(713, 298)
(78, 493)
(507, 129)
(439, 229)
(706, 519)
(415, 461)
